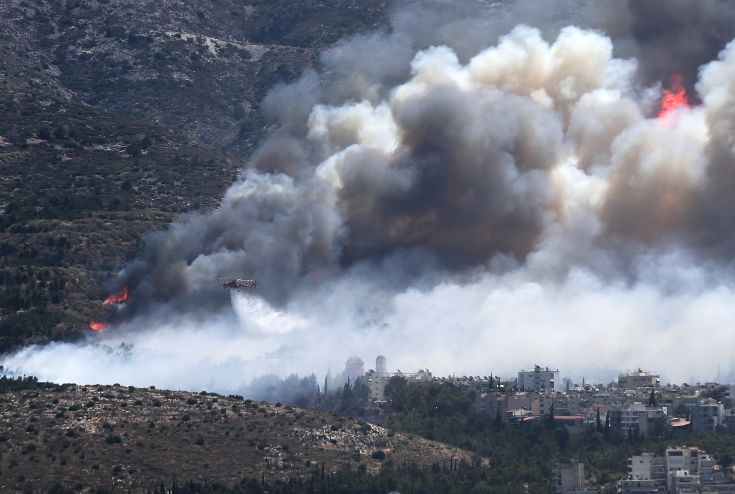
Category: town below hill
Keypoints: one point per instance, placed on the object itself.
(541, 428)
(433, 435)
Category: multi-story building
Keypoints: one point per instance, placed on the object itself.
(379, 378)
(648, 466)
(683, 482)
(636, 419)
(679, 471)
(376, 384)
(646, 474)
(708, 469)
(420, 375)
(680, 459)
(638, 486)
(692, 460)
(539, 379)
(707, 415)
(640, 379)
(490, 402)
(523, 400)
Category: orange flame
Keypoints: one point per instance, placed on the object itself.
(98, 325)
(117, 298)
(674, 98)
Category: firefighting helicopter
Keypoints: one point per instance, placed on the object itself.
(237, 283)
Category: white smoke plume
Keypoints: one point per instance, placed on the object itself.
(457, 201)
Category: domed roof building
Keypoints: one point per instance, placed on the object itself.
(354, 368)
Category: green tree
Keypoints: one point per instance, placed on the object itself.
(498, 419)
(550, 419)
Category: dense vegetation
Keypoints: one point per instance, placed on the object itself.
(80, 190)
(22, 383)
(526, 453)
(406, 479)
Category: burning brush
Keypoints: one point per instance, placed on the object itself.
(673, 99)
(112, 299)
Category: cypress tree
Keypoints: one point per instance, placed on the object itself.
(550, 418)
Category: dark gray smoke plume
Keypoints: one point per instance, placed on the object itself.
(670, 36)
(452, 157)
(459, 180)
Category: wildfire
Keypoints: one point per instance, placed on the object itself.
(673, 98)
(112, 299)
(117, 298)
(98, 325)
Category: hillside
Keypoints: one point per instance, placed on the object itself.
(200, 68)
(84, 436)
(117, 116)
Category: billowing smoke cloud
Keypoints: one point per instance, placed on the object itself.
(458, 201)
(668, 36)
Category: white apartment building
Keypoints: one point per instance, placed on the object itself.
(539, 379)
(679, 471)
(646, 475)
(648, 466)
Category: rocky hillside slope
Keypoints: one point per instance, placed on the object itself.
(122, 438)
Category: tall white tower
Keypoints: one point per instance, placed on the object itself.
(381, 366)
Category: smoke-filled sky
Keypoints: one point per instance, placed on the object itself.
(477, 188)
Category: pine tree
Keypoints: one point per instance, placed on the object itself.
(498, 419)
(550, 418)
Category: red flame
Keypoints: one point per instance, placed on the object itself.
(98, 325)
(673, 98)
(117, 298)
